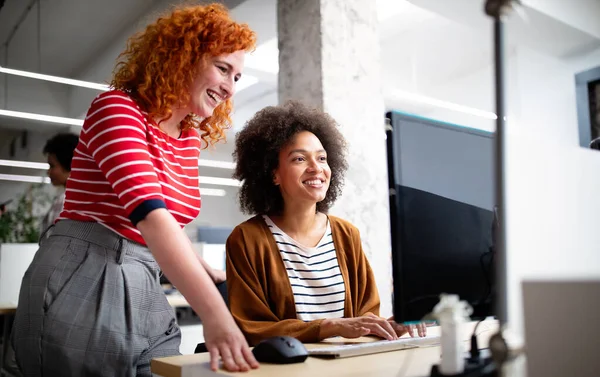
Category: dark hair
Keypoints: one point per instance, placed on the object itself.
(257, 149)
(62, 146)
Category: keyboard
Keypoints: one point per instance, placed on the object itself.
(360, 349)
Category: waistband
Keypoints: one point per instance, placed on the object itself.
(98, 234)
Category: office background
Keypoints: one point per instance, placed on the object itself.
(432, 58)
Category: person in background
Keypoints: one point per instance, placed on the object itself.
(59, 153)
(293, 269)
(91, 303)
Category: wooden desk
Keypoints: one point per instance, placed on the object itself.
(403, 363)
(177, 300)
(8, 310)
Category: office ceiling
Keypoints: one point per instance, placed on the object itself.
(425, 44)
(62, 37)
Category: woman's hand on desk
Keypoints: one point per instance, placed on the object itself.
(228, 342)
(368, 324)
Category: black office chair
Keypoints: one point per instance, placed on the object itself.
(222, 287)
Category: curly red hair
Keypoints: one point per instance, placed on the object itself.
(160, 63)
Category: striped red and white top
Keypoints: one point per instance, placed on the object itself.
(124, 167)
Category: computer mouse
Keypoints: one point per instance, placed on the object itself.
(280, 350)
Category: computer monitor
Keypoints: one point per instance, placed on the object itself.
(441, 214)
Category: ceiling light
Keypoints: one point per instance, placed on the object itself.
(61, 80)
(202, 179)
(212, 192)
(25, 164)
(45, 166)
(418, 98)
(24, 178)
(219, 181)
(216, 164)
(41, 117)
(36, 179)
(245, 81)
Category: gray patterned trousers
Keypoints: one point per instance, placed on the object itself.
(91, 305)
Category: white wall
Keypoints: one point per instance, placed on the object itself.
(581, 14)
(547, 96)
(552, 184)
(552, 215)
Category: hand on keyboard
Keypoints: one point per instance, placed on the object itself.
(369, 324)
(401, 329)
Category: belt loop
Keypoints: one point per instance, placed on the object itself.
(121, 251)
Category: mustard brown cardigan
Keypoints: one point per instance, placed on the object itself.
(260, 294)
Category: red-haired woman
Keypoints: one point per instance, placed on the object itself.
(91, 303)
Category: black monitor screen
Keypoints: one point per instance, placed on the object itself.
(441, 212)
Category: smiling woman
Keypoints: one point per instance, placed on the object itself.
(133, 185)
(292, 269)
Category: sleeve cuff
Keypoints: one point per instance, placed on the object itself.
(144, 208)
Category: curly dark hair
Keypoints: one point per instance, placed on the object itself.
(62, 146)
(257, 149)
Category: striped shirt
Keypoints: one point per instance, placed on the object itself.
(124, 167)
(314, 275)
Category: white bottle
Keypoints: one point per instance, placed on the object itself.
(451, 315)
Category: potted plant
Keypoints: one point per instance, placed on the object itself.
(19, 234)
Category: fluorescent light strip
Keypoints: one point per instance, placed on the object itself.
(25, 164)
(60, 80)
(45, 166)
(219, 181)
(245, 81)
(216, 164)
(41, 117)
(51, 118)
(418, 98)
(36, 179)
(24, 178)
(212, 192)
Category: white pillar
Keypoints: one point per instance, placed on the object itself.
(329, 58)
